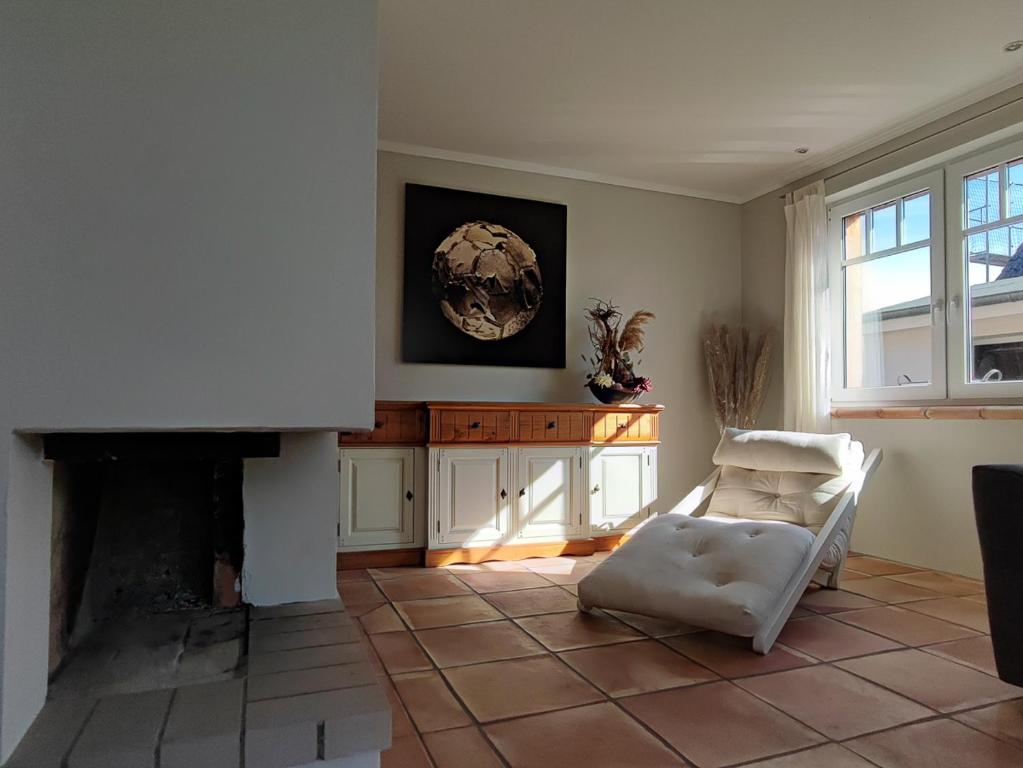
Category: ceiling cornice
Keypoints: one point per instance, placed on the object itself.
(549, 170)
(796, 173)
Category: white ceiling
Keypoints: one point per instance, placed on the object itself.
(694, 97)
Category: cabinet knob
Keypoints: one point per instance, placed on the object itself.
(596, 488)
(504, 494)
(474, 425)
(522, 492)
(552, 424)
(408, 495)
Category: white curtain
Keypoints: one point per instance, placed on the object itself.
(807, 347)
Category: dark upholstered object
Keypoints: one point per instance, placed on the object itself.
(998, 504)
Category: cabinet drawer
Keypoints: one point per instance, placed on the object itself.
(624, 428)
(391, 426)
(552, 427)
(473, 427)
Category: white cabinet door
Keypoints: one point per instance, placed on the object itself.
(621, 487)
(472, 498)
(377, 496)
(548, 485)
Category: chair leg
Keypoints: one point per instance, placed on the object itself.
(763, 641)
(834, 577)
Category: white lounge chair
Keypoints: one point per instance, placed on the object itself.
(737, 553)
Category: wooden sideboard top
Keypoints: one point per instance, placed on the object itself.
(444, 405)
(412, 423)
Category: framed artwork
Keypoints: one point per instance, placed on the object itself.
(484, 279)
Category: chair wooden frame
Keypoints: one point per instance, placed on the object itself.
(839, 520)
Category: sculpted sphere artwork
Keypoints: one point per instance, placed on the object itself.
(487, 280)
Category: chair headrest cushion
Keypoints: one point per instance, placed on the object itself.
(776, 451)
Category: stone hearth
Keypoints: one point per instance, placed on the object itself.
(283, 686)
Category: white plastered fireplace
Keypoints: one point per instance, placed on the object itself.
(188, 244)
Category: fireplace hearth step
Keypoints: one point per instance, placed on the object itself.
(122, 732)
(305, 694)
(260, 629)
(204, 725)
(305, 658)
(304, 638)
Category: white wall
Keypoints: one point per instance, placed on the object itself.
(284, 499)
(187, 239)
(676, 256)
(919, 506)
(25, 599)
(187, 213)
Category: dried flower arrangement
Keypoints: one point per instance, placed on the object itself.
(738, 367)
(613, 379)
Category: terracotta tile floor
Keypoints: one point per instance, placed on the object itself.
(490, 665)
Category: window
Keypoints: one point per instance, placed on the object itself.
(987, 355)
(887, 254)
(898, 252)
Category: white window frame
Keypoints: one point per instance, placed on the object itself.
(936, 389)
(960, 366)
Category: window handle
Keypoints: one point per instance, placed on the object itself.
(954, 305)
(936, 309)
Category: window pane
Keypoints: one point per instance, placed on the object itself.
(916, 218)
(996, 325)
(882, 228)
(854, 241)
(1015, 174)
(982, 198)
(888, 321)
(987, 253)
(1015, 241)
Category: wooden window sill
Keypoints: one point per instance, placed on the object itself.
(934, 412)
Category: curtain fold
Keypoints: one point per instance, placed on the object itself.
(807, 347)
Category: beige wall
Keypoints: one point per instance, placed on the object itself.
(919, 507)
(676, 256)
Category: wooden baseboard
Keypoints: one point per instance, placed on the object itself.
(607, 543)
(439, 557)
(380, 558)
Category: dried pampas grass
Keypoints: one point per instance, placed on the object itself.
(633, 333)
(738, 368)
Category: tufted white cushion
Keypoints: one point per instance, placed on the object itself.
(801, 498)
(711, 573)
(776, 451)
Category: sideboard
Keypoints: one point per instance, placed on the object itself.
(468, 482)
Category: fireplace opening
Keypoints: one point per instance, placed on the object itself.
(146, 557)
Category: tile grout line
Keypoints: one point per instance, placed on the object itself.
(158, 749)
(244, 720)
(836, 615)
(74, 742)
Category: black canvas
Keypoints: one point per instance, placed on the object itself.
(428, 336)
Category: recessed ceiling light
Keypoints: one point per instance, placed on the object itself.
(1012, 47)
(801, 150)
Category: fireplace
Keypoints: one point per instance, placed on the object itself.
(144, 526)
(150, 535)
